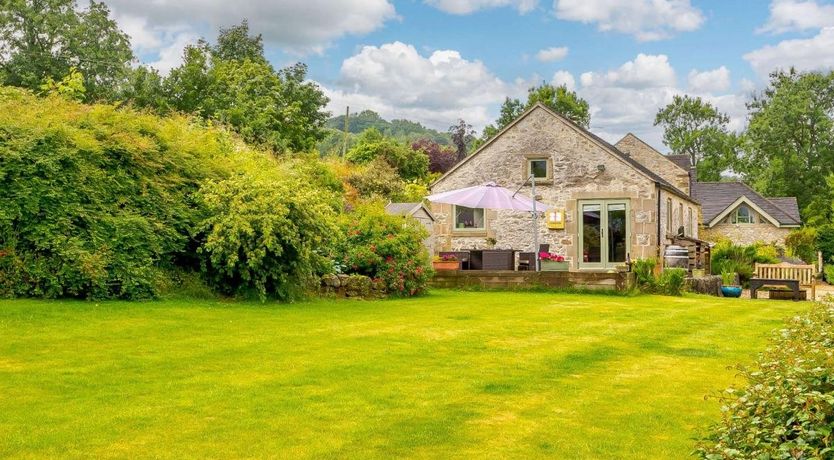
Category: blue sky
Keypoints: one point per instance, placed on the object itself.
(434, 61)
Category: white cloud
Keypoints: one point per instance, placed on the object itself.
(470, 6)
(301, 26)
(555, 53)
(170, 55)
(626, 99)
(563, 77)
(815, 53)
(646, 20)
(797, 15)
(398, 82)
(709, 80)
(645, 71)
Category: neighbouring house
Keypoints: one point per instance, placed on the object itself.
(607, 203)
(735, 211)
(417, 211)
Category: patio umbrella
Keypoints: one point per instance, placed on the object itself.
(493, 196)
(488, 196)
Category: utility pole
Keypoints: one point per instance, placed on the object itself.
(345, 140)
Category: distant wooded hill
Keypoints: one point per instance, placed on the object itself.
(402, 130)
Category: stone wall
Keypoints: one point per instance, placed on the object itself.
(523, 280)
(678, 219)
(655, 161)
(746, 234)
(580, 169)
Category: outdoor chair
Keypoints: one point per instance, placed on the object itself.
(528, 259)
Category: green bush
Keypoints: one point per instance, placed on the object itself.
(726, 256)
(644, 273)
(829, 273)
(95, 201)
(265, 234)
(671, 281)
(371, 144)
(802, 243)
(385, 247)
(787, 408)
(825, 242)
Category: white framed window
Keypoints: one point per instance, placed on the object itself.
(744, 215)
(469, 218)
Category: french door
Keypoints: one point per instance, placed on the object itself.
(604, 233)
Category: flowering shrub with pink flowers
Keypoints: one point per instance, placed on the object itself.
(385, 247)
(543, 255)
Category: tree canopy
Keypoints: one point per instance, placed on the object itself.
(558, 98)
(788, 147)
(47, 39)
(694, 127)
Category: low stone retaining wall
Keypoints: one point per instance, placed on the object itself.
(520, 280)
(358, 286)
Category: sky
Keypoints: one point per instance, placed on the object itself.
(435, 61)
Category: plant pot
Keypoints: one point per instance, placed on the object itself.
(731, 291)
(446, 264)
(553, 266)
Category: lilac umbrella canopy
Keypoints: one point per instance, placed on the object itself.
(487, 196)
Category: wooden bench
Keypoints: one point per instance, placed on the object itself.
(789, 275)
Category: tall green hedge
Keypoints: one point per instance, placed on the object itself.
(98, 201)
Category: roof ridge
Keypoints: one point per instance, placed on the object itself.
(662, 155)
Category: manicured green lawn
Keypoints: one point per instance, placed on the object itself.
(452, 374)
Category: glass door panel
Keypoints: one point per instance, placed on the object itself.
(591, 233)
(617, 230)
(604, 233)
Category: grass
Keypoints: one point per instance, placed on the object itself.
(453, 374)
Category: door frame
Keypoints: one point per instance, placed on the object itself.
(604, 263)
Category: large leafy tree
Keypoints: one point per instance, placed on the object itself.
(558, 98)
(232, 82)
(47, 39)
(789, 143)
(694, 127)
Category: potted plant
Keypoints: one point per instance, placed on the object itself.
(445, 262)
(552, 262)
(729, 287)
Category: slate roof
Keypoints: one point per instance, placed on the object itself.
(400, 209)
(682, 161)
(789, 205)
(405, 209)
(716, 197)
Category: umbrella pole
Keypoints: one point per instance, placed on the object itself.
(535, 221)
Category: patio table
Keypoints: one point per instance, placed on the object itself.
(492, 259)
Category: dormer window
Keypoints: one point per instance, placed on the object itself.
(744, 215)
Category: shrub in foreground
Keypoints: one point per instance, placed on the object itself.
(787, 408)
(385, 247)
(265, 235)
(670, 282)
